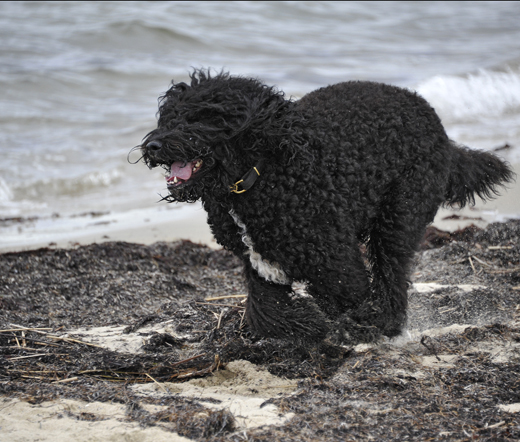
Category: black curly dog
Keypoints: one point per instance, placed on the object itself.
(297, 189)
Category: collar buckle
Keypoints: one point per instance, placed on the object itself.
(247, 180)
(234, 187)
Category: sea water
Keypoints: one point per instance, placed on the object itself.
(79, 82)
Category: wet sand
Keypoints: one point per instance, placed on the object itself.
(188, 221)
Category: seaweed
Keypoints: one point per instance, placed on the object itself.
(184, 302)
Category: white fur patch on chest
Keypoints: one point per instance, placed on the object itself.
(271, 271)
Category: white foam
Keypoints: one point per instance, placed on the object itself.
(5, 191)
(473, 96)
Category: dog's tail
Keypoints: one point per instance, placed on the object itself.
(475, 173)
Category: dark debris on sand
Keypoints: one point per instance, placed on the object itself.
(383, 392)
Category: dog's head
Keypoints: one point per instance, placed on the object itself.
(213, 130)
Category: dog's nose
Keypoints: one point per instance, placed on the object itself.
(154, 145)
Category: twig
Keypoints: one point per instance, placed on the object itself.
(211, 368)
(161, 386)
(39, 342)
(482, 262)
(64, 381)
(46, 344)
(242, 324)
(472, 266)
(220, 319)
(24, 328)
(76, 341)
(39, 371)
(108, 370)
(499, 424)
(220, 305)
(499, 271)
(187, 360)
(216, 298)
(30, 356)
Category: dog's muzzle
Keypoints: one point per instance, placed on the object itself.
(154, 146)
(152, 152)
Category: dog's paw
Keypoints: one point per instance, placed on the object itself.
(299, 321)
(346, 331)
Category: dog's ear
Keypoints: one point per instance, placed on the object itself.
(270, 124)
(280, 129)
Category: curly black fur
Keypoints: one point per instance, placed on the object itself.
(349, 166)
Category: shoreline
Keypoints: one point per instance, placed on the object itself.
(170, 222)
(141, 226)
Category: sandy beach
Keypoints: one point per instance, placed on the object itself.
(189, 369)
(127, 342)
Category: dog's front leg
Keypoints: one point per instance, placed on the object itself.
(271, 312)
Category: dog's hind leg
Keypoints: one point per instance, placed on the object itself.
(340, 286)
(393, 239)
(271, 312)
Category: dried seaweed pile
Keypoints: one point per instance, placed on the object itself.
(388, 395)
(488, 260)
(110, 283)
(442, 387)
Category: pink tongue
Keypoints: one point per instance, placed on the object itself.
(181, 170)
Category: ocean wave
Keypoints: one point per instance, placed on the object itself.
(159, 31)
(57, 187)
(471, 97)
(5, 191)
(138, 36)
